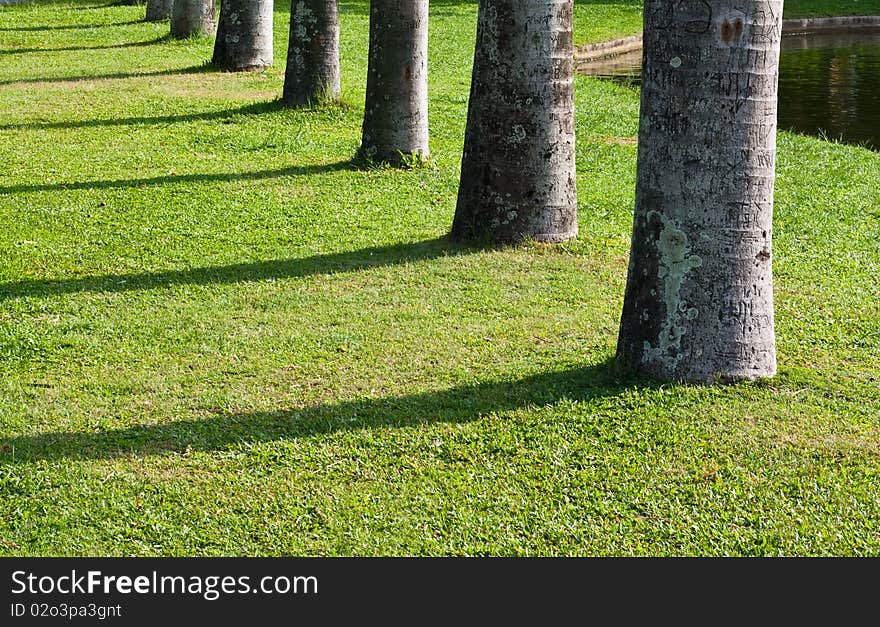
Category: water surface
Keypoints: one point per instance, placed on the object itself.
(829, 84)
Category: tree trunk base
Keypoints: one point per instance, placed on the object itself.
(244, 36)
(312, 73)
(193, 18)
(518, 179)
(698, 305)
(243, 68)
(158, 10)
(395, 129)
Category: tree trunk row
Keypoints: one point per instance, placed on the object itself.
(699, 298)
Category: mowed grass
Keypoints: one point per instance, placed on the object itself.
(217, 337)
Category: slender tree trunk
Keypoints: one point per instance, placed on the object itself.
(192, 18)
(158, 10)
(699, 297)
(312, 73)
(244, 35)
(396, 111)
(518, 167)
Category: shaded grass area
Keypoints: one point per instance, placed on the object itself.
(219, 338)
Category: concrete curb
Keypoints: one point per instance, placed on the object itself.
(606, 49)
(616, 47)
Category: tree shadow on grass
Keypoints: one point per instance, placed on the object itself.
(89, 7)
(334, 263)
(176, 179)
(133, 44)
(249, 109)
(223, 430)
(47, 27)
(195, 69)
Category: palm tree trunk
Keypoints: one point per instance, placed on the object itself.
(396, 110)
(158, 10)
(191, 18)
(699, 297)
(244, 35)
(518, 167)
(312, 73)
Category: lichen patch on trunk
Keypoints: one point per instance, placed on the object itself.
(676, 260)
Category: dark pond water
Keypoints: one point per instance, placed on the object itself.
(829, 84)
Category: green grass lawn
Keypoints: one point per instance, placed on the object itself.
(219, 338)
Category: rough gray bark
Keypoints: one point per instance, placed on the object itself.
(518, 166)
(244, 35)
(699, 296)
(312, 73)
(396, 110)
(191, 18)
(158, 10)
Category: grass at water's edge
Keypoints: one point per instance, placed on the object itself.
(597, 22)
(830, 8)
(219, 338)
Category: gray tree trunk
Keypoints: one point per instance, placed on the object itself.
(158, 10)
(244, 35)
(396, 110)
(192, 18)
(518, 166)
(312, 73)
(699, 296)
